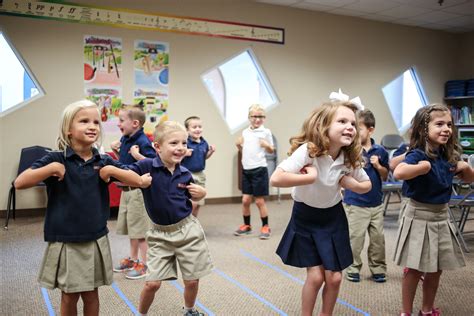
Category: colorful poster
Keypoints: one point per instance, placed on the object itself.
(102, 77)
(151, 60)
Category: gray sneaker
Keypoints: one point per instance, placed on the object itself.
(265, 232)
(140, 270)
(193, 312)
(243, 230)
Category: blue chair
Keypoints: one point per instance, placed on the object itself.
(27, 157)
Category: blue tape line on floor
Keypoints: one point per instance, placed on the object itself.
(246, 289)
(249, 255)
(181, 289)
(124, 298)
(47, 301)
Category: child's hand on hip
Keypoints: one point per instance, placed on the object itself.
(197, 192)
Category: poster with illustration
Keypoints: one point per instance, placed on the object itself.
(151, 60)
(103, 77)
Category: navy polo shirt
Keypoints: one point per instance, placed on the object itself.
(435, 187)
(78, 205)
(197, 161)
(167, 200)
(403, 148)
(140, 139)
(374, 196)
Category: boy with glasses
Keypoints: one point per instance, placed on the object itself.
(254, 142)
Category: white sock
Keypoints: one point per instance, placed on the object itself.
(188, 309)
(140, 314)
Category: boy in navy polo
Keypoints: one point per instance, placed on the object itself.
(198, 152)
(176, 237)
(365, 211)
(132, 218)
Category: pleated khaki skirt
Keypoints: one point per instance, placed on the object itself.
(77, 267)
(426, 239)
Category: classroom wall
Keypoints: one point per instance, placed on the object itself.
(322, 53)
(466, 51)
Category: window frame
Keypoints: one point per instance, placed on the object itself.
(421, 94)
(41, 91)
(266, 83)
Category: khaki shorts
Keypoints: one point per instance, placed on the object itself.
(183, 243)
(132, 218)
(76, 267)
(199, 179)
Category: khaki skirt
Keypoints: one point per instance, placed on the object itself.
(426, 240)
(77, 267)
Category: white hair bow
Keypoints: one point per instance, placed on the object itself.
(339, 96)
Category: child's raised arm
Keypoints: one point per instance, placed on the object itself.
(127, 177)
(283, 179)
(406, 171)
(31, 177)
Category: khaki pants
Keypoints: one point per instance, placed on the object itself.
(362, 220)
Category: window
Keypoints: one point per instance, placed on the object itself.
(17, 84)
(235, 85)
(404, 96)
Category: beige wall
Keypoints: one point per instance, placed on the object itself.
(322, 53)
(466, 51)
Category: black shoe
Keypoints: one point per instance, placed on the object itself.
(379, 278)
(353, 277)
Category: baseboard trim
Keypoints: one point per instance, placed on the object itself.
(28, 212)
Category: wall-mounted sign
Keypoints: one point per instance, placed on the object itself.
(141, 20)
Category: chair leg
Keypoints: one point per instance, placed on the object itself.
(14, 202)
(10, 203)
(456, 228)
(386, 199)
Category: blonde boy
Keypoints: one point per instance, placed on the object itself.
(176, 237)
(254, 142)
(132, 217)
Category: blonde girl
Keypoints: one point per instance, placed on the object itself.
(426, 242)
(325, 156)
(77, 259)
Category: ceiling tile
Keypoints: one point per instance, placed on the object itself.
(343, 11)
(464, 21)
(332, 3)
(431, 4)
(405, 11)
(435, 16)
(466, 8)
(371, 6)
(312, 6)
(378, 17)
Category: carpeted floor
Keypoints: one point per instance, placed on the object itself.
(249, 278)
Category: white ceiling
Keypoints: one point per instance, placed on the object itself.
(455, 16)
